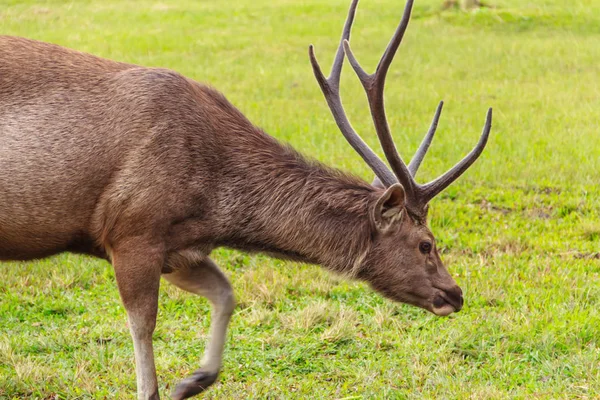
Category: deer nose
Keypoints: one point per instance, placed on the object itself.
(455, 297)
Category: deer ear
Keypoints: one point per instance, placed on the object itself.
(389, 207)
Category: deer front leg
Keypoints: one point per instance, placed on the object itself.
(200, 275)
(137, 268)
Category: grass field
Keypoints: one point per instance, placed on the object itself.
(520, 231)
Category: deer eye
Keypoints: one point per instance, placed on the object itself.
(425, 247)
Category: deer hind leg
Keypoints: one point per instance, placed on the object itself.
(200, 275)
(137, 269)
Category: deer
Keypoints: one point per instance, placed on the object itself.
(151, 171)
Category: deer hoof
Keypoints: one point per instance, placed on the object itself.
(196, 383)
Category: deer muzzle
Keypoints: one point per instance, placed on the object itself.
(447, 301)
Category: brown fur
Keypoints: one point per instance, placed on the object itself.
(151, 170)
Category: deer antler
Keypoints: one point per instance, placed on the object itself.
(331, 89)
(417, 195)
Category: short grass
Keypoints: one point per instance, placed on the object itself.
(520, 231)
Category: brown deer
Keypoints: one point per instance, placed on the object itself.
(151, 171)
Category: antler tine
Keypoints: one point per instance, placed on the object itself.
(390, 51)
(331, 90)
(338, 62)
(374, 85)
(417, 159)
(431, 189)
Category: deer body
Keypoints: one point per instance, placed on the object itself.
(71, 124)
(177, 159)
(95, 154)
(151, 171)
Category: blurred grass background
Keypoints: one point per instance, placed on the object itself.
(520, 231)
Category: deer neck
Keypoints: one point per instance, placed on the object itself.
(279, 203)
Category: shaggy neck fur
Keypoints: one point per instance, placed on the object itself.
(277, 202)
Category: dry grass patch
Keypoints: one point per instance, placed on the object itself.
(343, 327)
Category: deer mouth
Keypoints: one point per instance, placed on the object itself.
(446, 302)
(441, 307)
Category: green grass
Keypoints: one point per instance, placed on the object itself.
(520, 231)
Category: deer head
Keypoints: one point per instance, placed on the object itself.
(403, 263)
